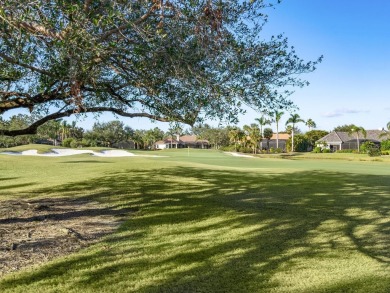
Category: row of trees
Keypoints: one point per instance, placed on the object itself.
(106, 134)
(109, 134)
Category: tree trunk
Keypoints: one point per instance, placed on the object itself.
(292, 139)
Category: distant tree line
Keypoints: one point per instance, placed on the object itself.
(117, 134)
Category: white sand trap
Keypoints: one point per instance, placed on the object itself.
(71, 152)
(239, 155)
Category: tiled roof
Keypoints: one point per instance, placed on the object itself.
(188, 138)
(192, 139)
(185, 139)
(282, 136)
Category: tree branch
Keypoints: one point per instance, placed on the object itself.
(37, 29)
(16, 62)
(32, 129)
(26, 101)
(144, 17)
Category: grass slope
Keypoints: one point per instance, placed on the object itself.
(209, 222)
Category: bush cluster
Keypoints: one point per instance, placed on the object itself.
(273, 150)
(232, 148)
(317, 150)
(374, 152)
(385, 145)
(351, 151)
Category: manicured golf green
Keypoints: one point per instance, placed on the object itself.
(210, 222)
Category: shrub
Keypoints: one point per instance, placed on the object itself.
(67, 142)
(245, 149)
(278, 151)
(347, 151)
(325, 151)
(75, 144)
(367, 146)
(317, 150)
(272, 150)
(301, 143)
(374, 152)
(88, 143)
(385, 145)
(229, 148)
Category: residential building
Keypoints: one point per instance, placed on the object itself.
(337, 140)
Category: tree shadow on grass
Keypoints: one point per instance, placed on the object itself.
(228, 231)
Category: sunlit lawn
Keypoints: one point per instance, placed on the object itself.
(210, 222)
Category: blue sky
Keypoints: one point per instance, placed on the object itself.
(351, 85)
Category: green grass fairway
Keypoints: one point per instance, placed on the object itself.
(210, 222)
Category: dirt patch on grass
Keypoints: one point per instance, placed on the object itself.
(36, 231)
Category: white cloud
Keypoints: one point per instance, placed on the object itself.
(342, 112)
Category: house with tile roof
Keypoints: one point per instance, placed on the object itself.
(184, 141)
(338, 140)
(283, 138)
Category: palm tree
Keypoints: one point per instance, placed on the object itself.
(357, 130)
(73, 129)
(262, 122)
(278, 115)
(310, 123)
(253, 131)
(386, 133)
(65, 128)
(294, 119)
(235, 135)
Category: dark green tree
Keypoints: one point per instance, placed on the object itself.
(165, 60)
(107, 133)
(315, 135)
(344, 128)
(151, 136)
(268, 132)
(301, 143)
(15, 122)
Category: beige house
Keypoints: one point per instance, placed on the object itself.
(283, 138)
(185, 141)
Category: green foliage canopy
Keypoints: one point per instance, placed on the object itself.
(165, 60)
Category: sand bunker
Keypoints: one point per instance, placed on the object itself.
(239, 155)
(71, 152)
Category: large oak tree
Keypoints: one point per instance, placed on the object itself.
(176, 60)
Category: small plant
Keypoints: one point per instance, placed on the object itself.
(278, 150)
(346, 151)
(317, 150)
(75, 144)
(385, 145)
(67, 142)
(367, 146)
(326, 151)
(374, 152)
